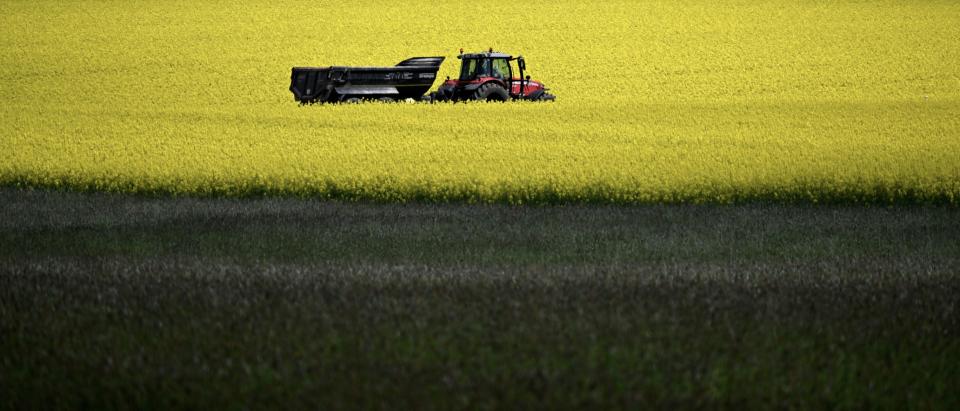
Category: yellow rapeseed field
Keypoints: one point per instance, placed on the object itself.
(676, 101)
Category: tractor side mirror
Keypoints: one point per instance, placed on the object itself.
(521, 63)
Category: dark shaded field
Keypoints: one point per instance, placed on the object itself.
(112, 301)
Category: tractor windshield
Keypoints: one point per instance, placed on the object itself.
(473, 68)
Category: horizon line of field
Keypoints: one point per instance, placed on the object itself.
(813, 192)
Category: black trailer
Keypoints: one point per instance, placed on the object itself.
(410, 78)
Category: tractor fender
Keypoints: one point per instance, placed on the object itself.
(473, 87)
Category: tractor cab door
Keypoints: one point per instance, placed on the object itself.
(518, 81)
(500, 69)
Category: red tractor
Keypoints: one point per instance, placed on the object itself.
(490, 77)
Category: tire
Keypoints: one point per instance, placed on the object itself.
(352, 100)
(535, 96)
(385, 100)
(491, 92)
(440, 95)
(547, 97)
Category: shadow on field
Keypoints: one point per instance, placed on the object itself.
(110, 301)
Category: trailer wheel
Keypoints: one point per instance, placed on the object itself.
(352, 100)
(491, 92)
(385, 100)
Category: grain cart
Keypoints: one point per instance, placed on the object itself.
(410, 78)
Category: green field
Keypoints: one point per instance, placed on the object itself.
(111, 301)
(659, 101)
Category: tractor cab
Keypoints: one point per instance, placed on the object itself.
(491, 76)
(476, 66)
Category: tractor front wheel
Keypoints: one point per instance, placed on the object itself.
(491, 92)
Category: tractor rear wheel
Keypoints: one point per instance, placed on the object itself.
(491, 92)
